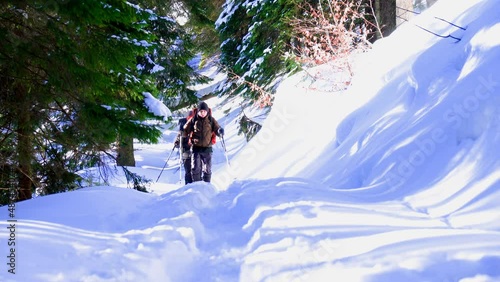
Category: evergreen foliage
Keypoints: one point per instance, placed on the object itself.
(248, 127)
(256, 39)
(202, 15)
(71, 85)
(177, 44)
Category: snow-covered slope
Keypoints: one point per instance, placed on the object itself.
(425, 119)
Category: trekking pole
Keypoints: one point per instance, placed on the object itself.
(165, 163)
(225, 151)
(180, 159)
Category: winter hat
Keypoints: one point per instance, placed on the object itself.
(203, 106)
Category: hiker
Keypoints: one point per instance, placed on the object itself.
(201, 131)
(185, 148)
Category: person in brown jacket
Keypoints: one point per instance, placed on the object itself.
(200, 130)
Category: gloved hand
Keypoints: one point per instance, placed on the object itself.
(176, 144)
(221, 131)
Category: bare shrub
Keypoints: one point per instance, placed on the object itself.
(331, 32)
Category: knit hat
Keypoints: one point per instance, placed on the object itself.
(203, 106)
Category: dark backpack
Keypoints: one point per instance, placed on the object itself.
(182, 122)
(194, 116)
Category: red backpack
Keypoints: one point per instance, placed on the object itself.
(194, 115)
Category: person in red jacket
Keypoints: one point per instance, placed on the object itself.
(199, 130)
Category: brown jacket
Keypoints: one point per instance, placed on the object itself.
(201, 129)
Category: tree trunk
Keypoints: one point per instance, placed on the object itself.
(386, 15)
(125, 152)
(24, 145)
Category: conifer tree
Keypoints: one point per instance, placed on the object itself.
(70, 87)
(255, 44)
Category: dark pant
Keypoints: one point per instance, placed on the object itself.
(201, 162)
(187, 169)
